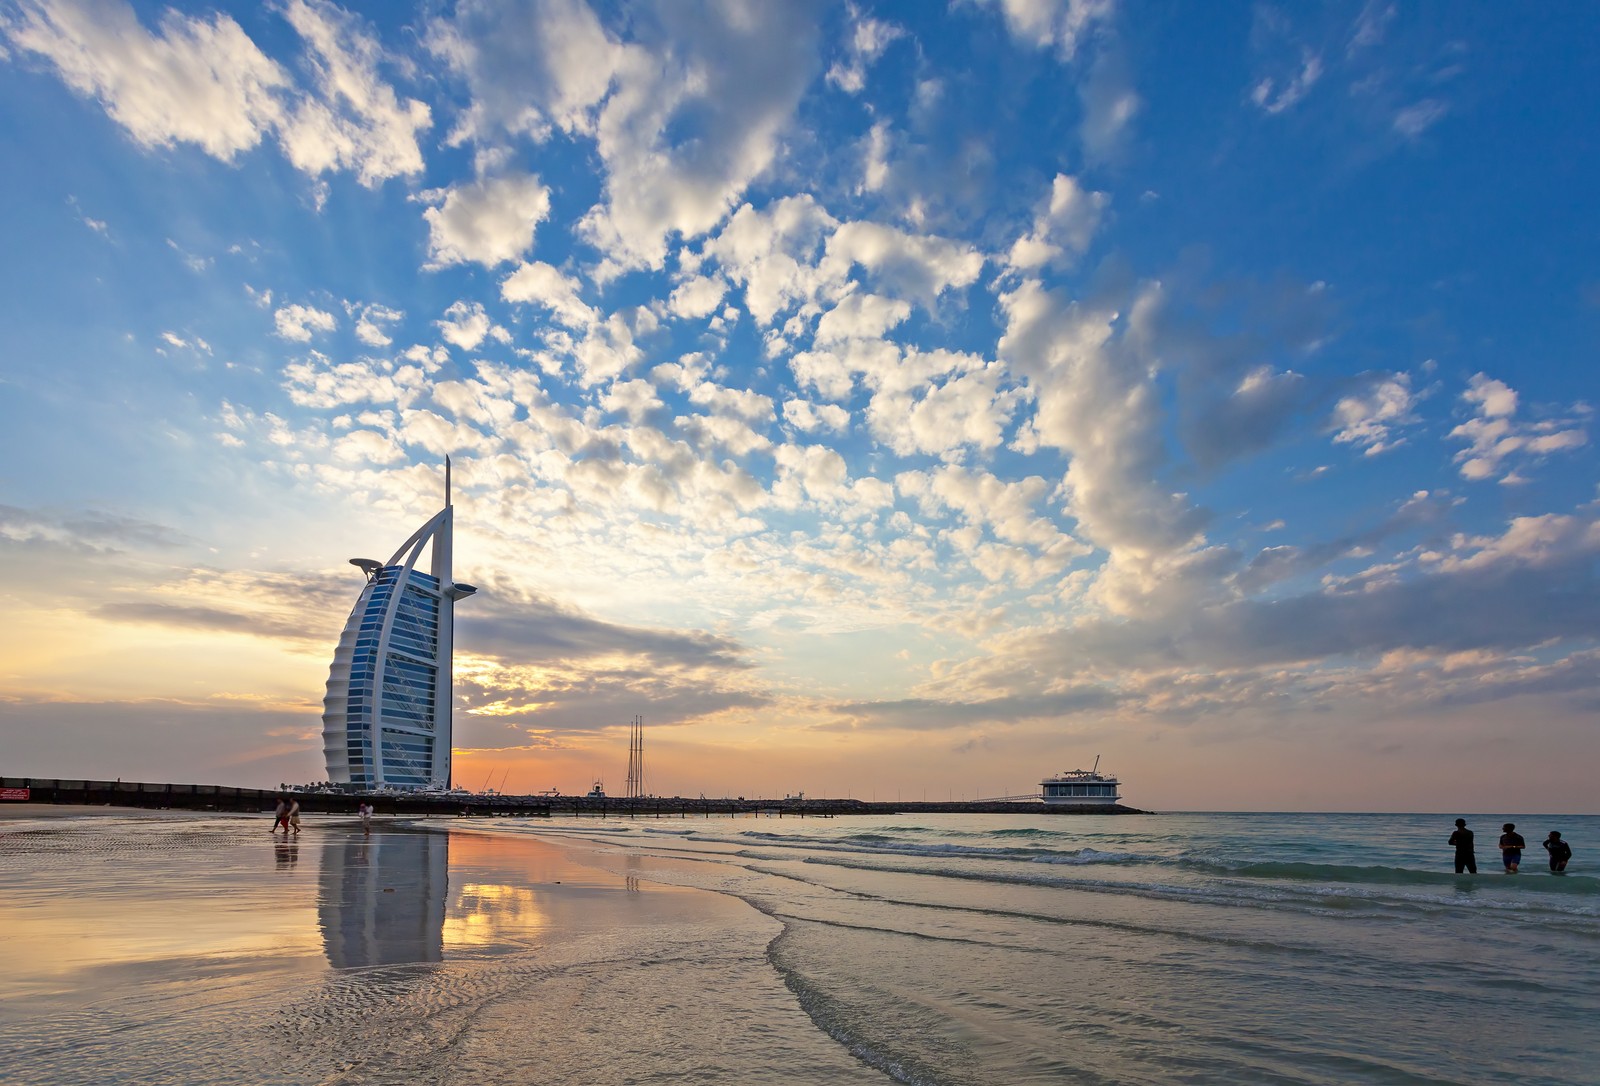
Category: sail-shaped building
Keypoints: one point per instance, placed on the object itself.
(386, 714)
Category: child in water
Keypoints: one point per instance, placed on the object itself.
(1560, 852)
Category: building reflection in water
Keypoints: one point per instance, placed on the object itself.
(382, 898)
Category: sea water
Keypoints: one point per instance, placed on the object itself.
(1226, 948)
(981, 949)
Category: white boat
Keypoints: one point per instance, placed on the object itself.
(1080, 788)
(597, 792)
(438, 792)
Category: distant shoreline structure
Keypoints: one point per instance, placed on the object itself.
(211, 797)
(1077, 789)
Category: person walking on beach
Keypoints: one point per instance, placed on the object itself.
(1511, 846)
(366, 816)
(294, 817)
(1560, 852)
(280, 815)
(1462, 839)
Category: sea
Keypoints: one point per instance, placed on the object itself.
(1194, 948)
(941, 950)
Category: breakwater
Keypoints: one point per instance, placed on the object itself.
(219, 797)
(216, 797)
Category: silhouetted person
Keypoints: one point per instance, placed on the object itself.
(1511, 846)
(280, 816)
(1462, 839)
(1560, 852)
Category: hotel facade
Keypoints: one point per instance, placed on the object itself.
(386, 713)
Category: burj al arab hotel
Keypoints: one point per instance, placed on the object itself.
(386, 715)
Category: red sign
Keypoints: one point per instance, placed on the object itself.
(14, 793)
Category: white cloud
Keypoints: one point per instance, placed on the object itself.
(709, 431)
(540, 284)
(465, 324)
(356, 121)
(1096, 401)
(915, 266)
(875, 158)
(317, 382)
(861, 316)
(830, 370)
(367, 447)
(1545, 540)
(809, 417)
(1369, 418)
(1371, 25)
(607, 350)
(697, 297)
(810, 471)
(1493, 399)
(912, 411)
(723, 77)
(298, 322)
(193, 343)
(205, 82)
(488, 221)
(635, 399)
(1062, 25)
(774, 253)
(1063, 227)
(369, 321)
(1274, 96)
(528, 67)
(200, 81)
(1495, 438)
(1416, 119)
(868, 39)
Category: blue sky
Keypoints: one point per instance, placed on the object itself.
(872, 397)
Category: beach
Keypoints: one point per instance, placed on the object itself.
(158, 947)
(142, 948)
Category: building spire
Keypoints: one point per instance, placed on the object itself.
(447, 482)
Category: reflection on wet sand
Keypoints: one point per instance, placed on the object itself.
(381, 898)
(190, 953)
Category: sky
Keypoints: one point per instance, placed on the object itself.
(880, 400)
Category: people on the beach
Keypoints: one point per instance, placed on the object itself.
(366, 816)
(1560, 852)
(294, 817)
(1462, 840)
(1511, 846)
(280, 815)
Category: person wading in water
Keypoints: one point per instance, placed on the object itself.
(1462, 839)
(1511, 846)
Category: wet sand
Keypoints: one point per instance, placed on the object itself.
(145, 946)
(28, 812)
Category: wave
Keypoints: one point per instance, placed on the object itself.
(1379, 875)
(1087, 856)
(882, 844)
(1307, 896)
